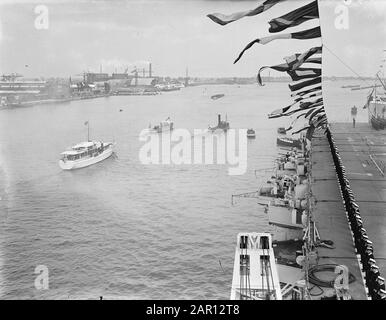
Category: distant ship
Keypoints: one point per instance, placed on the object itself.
(251, 134)
(171, 86)
(217, 96)
(255, 275)
(166, 125)
(221, 125)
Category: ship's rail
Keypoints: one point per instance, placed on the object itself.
(363, 246)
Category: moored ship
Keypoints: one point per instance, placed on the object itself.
(376, 105)
(377, 110)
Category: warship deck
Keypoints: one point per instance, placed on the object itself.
(331, 220)
(363, 153)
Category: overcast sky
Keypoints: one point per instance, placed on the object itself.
(175, 34)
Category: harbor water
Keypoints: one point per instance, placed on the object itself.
(122, 229)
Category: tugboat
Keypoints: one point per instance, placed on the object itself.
(85, 153)
(166, 125)
(222, 125)
(255, 275)
(251, 134)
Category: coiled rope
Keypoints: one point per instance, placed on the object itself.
(323, 268)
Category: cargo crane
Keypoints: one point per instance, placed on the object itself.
(136, 72)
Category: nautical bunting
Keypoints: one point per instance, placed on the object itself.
(310, 132)
(294, 121)
(305, 128)
(225, 19)
(303, 106)
(301, 35)
(279, 112)
(310, 103)
(313, 114)
(278, 115)
(297, 59)
(320, 120)
(309, 112)
(304, 73)
(301, 85)
(312, 110)
(315, 60)
(310, 96)
(302, 93)
(292, 62)
(369, 98)
(295, 18)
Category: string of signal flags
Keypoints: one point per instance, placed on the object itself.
(303, 68)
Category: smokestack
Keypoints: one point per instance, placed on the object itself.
(219, 118)
(149, 70)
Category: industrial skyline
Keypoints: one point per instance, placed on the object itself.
(173, 36)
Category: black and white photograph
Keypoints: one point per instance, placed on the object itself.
(192, 151)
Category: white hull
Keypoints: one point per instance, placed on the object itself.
(255, 274)
(82, 163)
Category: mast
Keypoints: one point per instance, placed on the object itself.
(88, 130)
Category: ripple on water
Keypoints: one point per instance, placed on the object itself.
(121, 229)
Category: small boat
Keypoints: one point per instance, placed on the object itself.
(285, 216)
(164, 126)
(86, 153)
(281, 130)
(217, 96)
(255, 275)
(251, 133)
(289, 142)
(221, 125)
